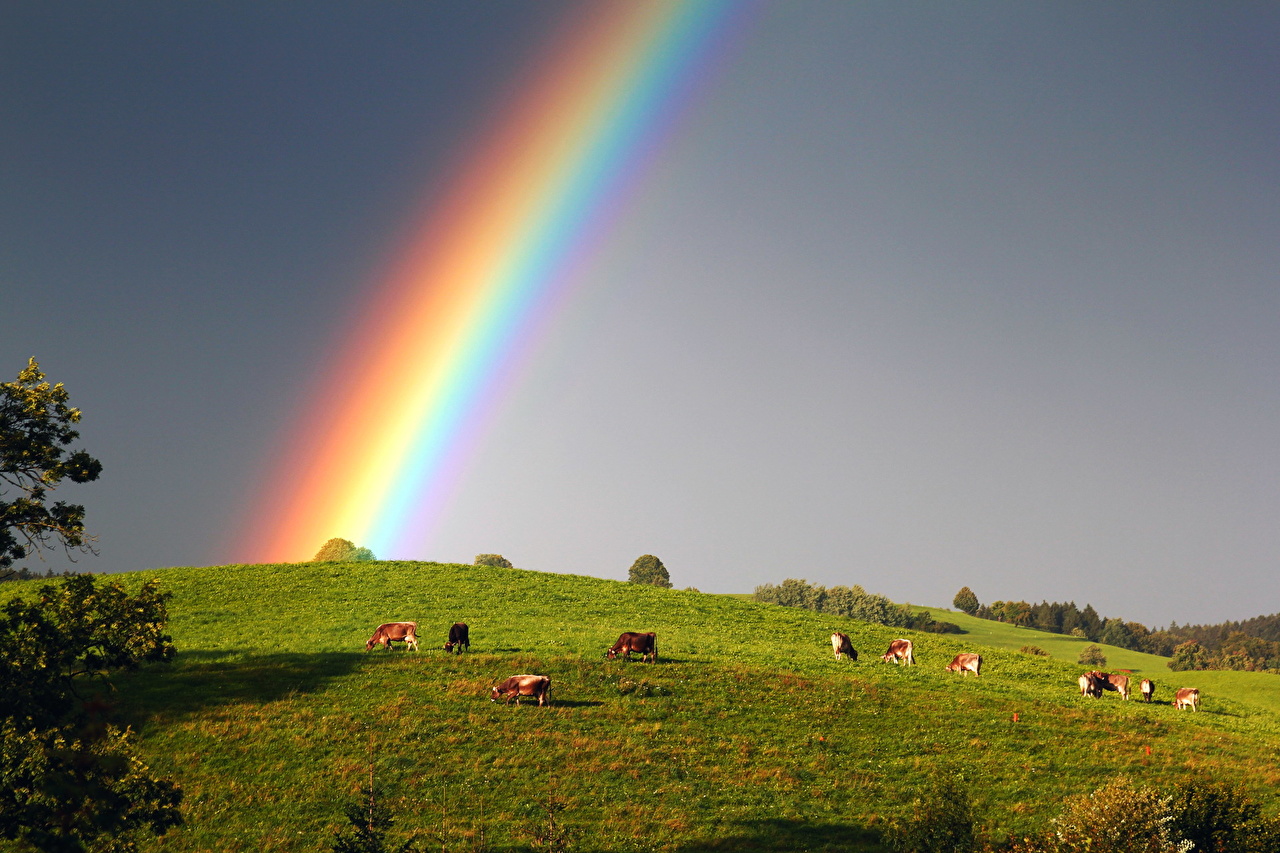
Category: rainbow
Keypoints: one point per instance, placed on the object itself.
(379, 448)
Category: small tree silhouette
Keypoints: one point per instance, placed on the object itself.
(370, 819)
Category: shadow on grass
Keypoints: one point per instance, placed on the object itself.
(780, 835)
(198, 681)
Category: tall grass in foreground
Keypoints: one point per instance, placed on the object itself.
(747, 735)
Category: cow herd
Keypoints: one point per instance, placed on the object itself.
(900, 651)
(1093, 684)
(536, 686)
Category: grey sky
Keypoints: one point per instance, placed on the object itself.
(918, 296)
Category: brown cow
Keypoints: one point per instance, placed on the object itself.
(1120, 684)
(1187, 697)
(1106, 681)
(459, 636)
(842, 645)
(900, 650)
(524, 685)
(645, 645)
(1089, 685)
(965, 663)
(1148, 688)
(390, 632)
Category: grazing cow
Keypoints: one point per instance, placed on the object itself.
(965, 663)
(900, 650)
(645, 645)
(1148, 688)
(842, 645)
(458, 638)
(1187, 697)
(1089, 685)
(1106, 681)
(524, 685)
(390, 632)
(1120, 684)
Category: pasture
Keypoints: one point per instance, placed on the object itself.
(746, 735)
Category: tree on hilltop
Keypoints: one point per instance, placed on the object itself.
(966, 601)
(648, 569)
(35, 430)
(342, 551)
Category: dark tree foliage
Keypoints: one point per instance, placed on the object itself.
(966, 601)
(852, 603)
(941, 819)
(35, 431)
(648, 569)
(342, 551)
(495, 560)
(69, 779)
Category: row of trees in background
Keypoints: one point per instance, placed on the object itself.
(1253, 645)
(852, 602)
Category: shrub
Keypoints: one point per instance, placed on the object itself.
(1033, 650)
(1119, 817)
(495, 560)
(941, 819)
(1092, 655)
(1214, 816)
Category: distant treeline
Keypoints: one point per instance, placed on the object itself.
(25, 574)
(852, 602)
(1252, 645)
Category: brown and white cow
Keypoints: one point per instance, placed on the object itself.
(1119, 683)
(842, 645)
(965, 663)
(1187, 697)
(1148, 688)
(1090, 685)
(459, 637)
(524, 685)
(899, 651)
(390, 632)
(1106, 681)
(645, 645)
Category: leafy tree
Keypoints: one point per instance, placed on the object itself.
(1188, 656)
(495, 560)
(1115, 632)
(342, 551)
(35, 430)
(966, 601)
(648, 569)
(1092, 656)
(69, 779)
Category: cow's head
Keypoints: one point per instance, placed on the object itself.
(448, 647)
(494, 694)
(611, 653)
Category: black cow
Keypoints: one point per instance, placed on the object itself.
(459, 638)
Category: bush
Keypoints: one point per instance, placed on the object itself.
(1119, 817)
(496, 560)
(941, 819)
(1033, 650)
(1214, 816)
(1092, 655)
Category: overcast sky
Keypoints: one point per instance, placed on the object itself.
(918, 295)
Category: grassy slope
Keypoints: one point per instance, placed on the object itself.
(747, 735)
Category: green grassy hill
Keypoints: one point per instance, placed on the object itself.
(747, 735)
